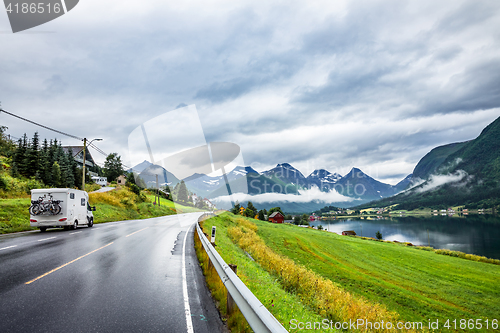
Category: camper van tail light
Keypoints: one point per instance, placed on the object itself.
(31, 220)
(62, 220)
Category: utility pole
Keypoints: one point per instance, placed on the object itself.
(84, 150)
(157, 190)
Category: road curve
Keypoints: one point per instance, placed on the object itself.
(116, 277)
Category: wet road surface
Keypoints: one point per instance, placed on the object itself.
(115, 277)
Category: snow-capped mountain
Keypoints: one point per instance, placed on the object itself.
(203, 185)
(287, 174)
(283, 176)
(323, 179)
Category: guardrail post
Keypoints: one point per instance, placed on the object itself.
(230, 300)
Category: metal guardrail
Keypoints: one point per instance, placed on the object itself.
(256, 314)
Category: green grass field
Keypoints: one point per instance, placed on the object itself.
(417, 284)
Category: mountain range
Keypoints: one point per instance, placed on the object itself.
(456, 173)
(282, 179)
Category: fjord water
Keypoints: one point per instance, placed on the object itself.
(475, 234)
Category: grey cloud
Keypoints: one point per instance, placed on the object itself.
(139, 66)
(475, 89)
(229, 89)
(467, 15)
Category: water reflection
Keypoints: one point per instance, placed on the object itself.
(472, 234)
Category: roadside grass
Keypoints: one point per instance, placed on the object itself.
(14, 215)
(284, 305)
(235, 321)
(419, 285)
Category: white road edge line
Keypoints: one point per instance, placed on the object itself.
(8, 247)
(187, 309)
(44, 239)
(75, 233)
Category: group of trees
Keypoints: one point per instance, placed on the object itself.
(7, 147)
(46, 162)
(113, 167)
(251, 211)
(301, 219)
(181, 194)
(49, 163)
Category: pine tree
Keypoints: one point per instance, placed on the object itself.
(33, 157)
(236, 209)
(183, 192)
(252, 209)
(56, 174)
(17, 159)
(67, 169)
(45, 170)
(52, 151)
(25, 156)
(63, 165)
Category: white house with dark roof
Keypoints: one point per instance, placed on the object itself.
(77, 152)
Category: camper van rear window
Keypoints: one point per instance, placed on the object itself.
(72, 195)
(83, 201)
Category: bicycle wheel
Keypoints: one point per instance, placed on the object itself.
(55, 209)
(35, 209)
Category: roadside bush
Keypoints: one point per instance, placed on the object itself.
(3, 183)
(134, 188)
(105, 197)
(425, 248)
(91, 187)
(463, 255)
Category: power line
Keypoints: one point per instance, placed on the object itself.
(54, 130)
(99, 150)
(37, 124)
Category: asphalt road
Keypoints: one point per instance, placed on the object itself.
(116, 277)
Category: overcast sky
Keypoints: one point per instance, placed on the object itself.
(324, 84)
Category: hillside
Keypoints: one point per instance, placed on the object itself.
(480, 157)
(430, 163)
(468, 174)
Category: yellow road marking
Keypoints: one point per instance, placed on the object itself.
(66, 264)
(136, 232)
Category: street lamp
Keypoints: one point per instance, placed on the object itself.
(84, 149)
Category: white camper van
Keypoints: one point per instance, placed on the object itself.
(60, 207)
(103, 181)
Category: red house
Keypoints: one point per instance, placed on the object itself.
(276, 217)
